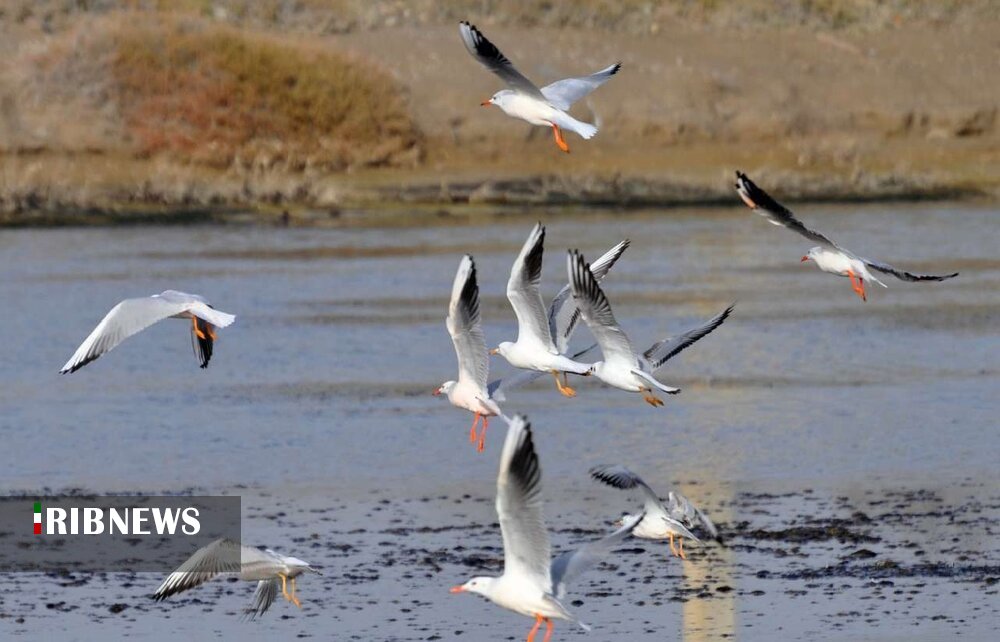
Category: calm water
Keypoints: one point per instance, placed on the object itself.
(318, 399)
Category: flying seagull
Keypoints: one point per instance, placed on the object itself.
(545, 107)
(564, 318)
(828, 256)
(470, 391)
(135, 315)
(622, 368)
(678, 518)
(533, 584)
(534, 348)
(226, 557)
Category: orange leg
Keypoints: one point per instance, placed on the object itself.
(534, 629)
(680, 547)
(673, 549)
(472, 431)
(197, 331)
(565, 390)
(559, 139)
(647, 394)
(482, 435)
(548, 630)
(858, 285)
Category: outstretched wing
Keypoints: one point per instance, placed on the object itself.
(563, 93)
(519, 506)
(490, 57)
(777, 214)
(221, 556)
(572, 564)
(596, 311)
(662, 351)
(523, 290)
(563, 318)
(618, 476)
(463, 326)
(903, 275)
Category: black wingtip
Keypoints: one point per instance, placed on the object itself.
(616, 68)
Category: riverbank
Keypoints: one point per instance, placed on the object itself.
(100, 125)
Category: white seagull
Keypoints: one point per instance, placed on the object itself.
(564, 318)
(226, 557)
(470, 391)
(533, 584)
(622, 368)
(534, 348)
(545, 107)
(134, 315)
(678, 518)
(828, 256)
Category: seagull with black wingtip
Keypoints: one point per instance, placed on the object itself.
(532, 583)
(545, 107)
(828, 256)
(678, 518)
(622, 367)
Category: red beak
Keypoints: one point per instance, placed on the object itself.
(803, 259)
(485, 103)
(436, 392)
(457, 589)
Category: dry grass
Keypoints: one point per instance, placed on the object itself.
(219, 97)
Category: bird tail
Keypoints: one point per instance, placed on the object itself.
(586, 130)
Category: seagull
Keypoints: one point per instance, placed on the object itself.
(532, 584)
(226, 557)
(545, 107)
(828, 256)
(622, 368)
(678, 518)
(469, 392)
(564, 317)
(134, 315)
(534, 348)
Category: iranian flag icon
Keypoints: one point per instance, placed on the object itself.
(38, 518)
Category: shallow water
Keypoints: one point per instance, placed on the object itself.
(806, 405)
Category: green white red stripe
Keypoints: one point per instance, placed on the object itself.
(38, 518)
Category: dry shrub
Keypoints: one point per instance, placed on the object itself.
(219, 97)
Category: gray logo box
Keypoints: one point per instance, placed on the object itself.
(21, 550)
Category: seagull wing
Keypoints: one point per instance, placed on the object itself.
(490, 57)
(662, 351)
(132, 316)
(221, 556)
(777, 214)
(263, 598)
(563, 93)
(572, 564)
(563, 317)
(618, 476)
(596, 311)
(903, 275)
(519, 506)
(523, 290)
(680, 508)
(463, 326)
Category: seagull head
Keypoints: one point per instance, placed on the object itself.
(811, 254)
(499, 99)
(480, 585)
(503, 349)
(444, 388)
